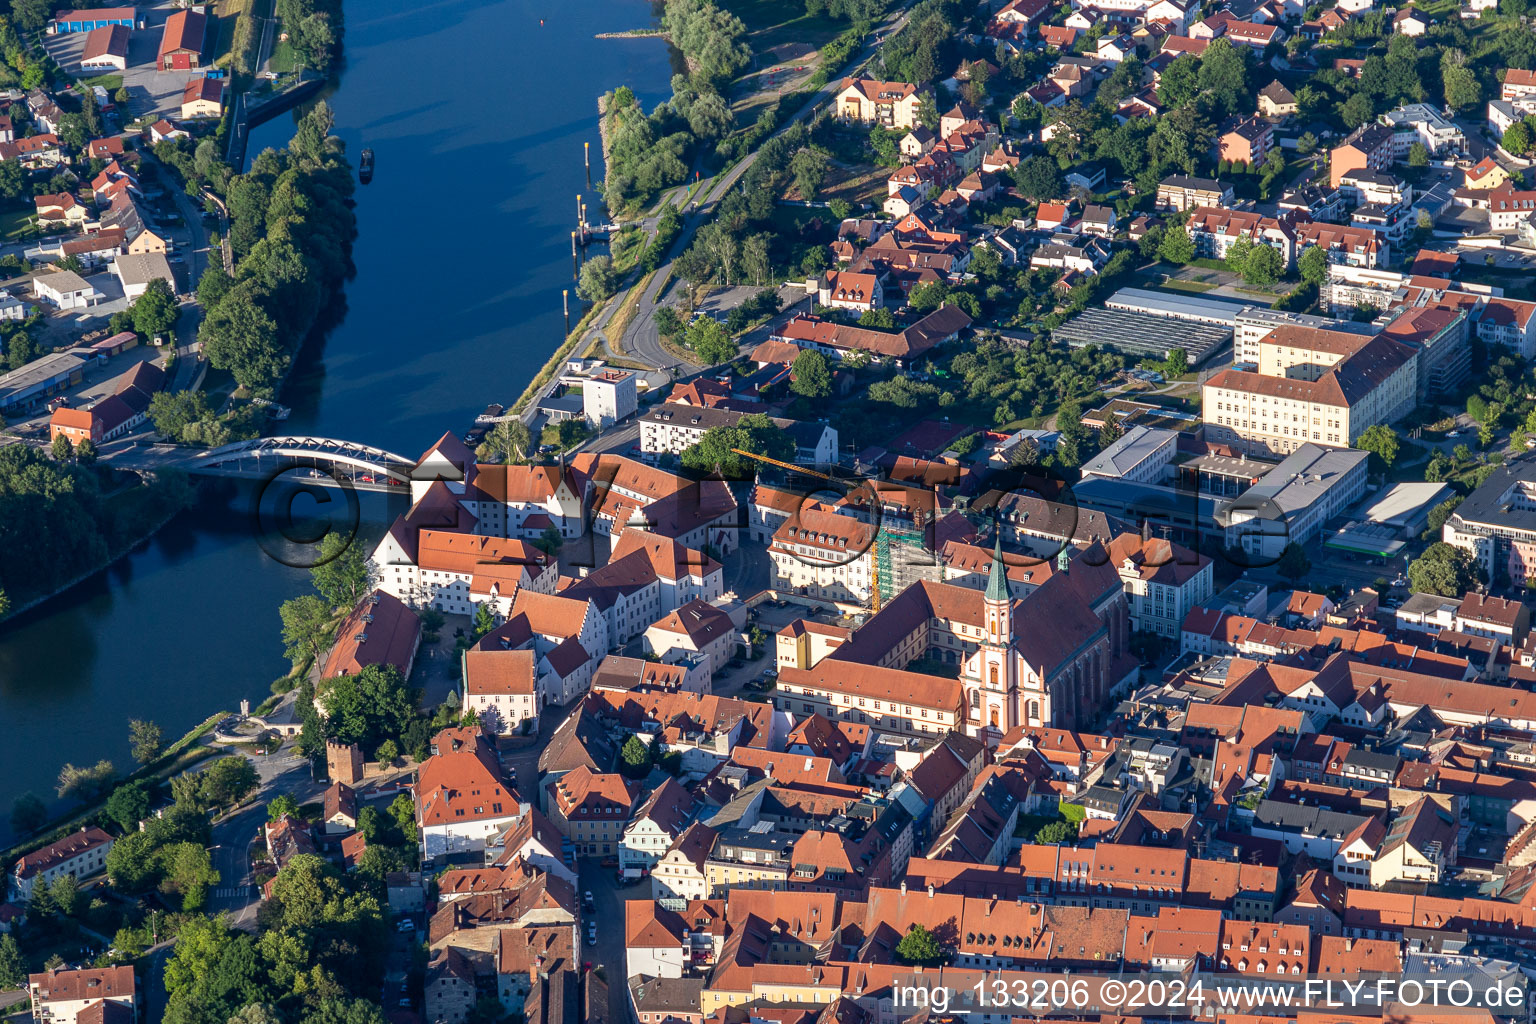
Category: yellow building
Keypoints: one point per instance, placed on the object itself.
(1486, 174)
(1307, 390)
(893, 104)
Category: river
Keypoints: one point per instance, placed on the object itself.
(476, 113)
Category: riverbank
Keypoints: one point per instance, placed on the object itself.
(126, 549)
(552, 365)
(177, 757)
(634, 33)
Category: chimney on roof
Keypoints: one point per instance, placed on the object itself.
(930, 890)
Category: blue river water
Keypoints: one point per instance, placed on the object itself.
(476, 111)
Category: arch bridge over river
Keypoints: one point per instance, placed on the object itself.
(328, 462)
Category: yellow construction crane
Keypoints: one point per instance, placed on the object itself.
(874, 562)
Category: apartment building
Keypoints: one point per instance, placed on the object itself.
(1303, 398)
(892, 104)
(825, 555)
(1215, 230)
(1185, 192)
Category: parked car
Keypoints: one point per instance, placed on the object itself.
(586, 900)
(405, 925)
(591, 933)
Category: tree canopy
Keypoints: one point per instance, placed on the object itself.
(1444, 570)
(718, 447)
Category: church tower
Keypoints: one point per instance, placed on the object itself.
(998, 699)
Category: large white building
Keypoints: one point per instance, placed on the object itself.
(1312, 386)
(1162, 581)
(566, 634)
(608, 397)
(822, 554)
(60, 996)
(1254, 322)
(1295, 499)
(463, 798)
(1140, 455)
(80, 855)
(502, 689)
(1496, 523)
(673, 429)
(504, 501)
(454, 572)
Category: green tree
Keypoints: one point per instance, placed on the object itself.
(1224, 76)
(128, 805)
(1237, 255)
(1444, 570)
(213, 286)
(20, 350)
(809, 167)
(484, 621)
(1438, 515)
(1263, 266)
(1038, 178)
(1418, 155)
(13, 969)
(145, 740)
(1180, 81)
(1177, 246)
(635, 758)
(62, 449)
(1517, 138)
(387, 752)
(85, 784)
(1381, 441)
(1312, 264)
(811, 377)
(1056, 832)
(155, 312)
(403, 811)
(86, 452)
(370, 707)
(341, 575)
(189, 873)
(1461, 86)
(717, 448)
(598, 279)
(307, 627)
(668, 323)
(1177, 364)
(238, 336)
(282, 804)
(228, 781)
(710, 342)
(1293, 563)
(28, 813)
(920, 948)
(65, 893)
(508, 441)
(1357, 110)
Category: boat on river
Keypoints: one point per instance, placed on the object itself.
(365, 167)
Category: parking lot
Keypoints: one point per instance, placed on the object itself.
(149, 90)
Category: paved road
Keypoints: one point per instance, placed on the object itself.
(642, 340)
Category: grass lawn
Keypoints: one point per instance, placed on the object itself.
(282, 60)
(224, 41)
(14, 224)
(1179, 285)
(111, 83)
(856, 184)
(772, 23)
